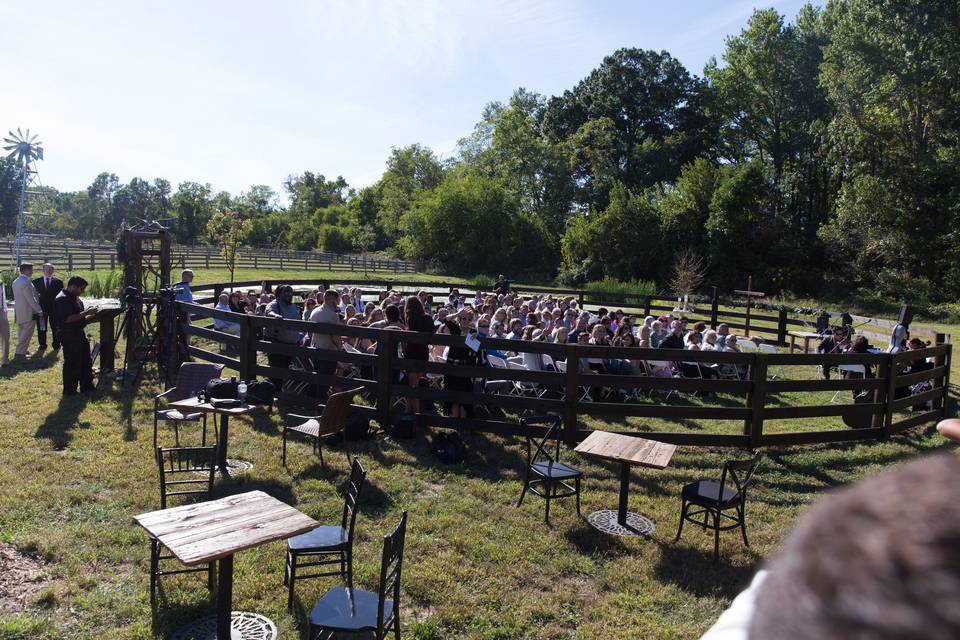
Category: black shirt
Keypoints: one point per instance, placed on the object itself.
(65, 305)
(672, 341)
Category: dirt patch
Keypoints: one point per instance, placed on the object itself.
(428, 490)
(21, 576)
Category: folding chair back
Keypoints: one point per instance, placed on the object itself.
(192, 378)
(391, 565)
(186, 471)
(334, 416)
(740, 473)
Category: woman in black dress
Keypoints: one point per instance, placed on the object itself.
(461, 355)
(417, 320)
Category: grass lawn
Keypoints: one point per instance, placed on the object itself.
(73, 472)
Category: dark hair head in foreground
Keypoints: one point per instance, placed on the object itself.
(877, 560)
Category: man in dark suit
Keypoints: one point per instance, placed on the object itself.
(48, 288)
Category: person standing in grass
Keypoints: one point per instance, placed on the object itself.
(4, 328)
(26, 308)
(72, 318)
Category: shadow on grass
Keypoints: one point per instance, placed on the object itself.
(31, 364)
(57, 426)
(170, 616)
(373, 501)
(693, 569)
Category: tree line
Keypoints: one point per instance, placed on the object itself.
(820, 154)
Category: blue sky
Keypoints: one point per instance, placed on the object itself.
(241, 93)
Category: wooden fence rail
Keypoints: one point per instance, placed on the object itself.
(72, 255)
(772, 328)
(567, 394)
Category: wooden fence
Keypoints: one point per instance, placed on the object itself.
(765, 400)
(70, 255)
(773, 327)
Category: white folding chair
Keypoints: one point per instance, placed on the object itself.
(525, 388)
(584, 391)
(848, 368)
(747, 346)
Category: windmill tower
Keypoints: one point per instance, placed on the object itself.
(25, 150)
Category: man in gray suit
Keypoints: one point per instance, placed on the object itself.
(4, 329)
(26, 306)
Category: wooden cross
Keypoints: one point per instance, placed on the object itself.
(750, 294)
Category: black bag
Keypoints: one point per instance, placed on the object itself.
(405, 426)
(449, 448)
(260, 392)
(222, 388)
(357, 426)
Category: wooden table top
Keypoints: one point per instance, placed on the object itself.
(205, 531)
(804, 334)
(629, 449)
(194, 405)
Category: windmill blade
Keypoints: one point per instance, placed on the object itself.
(10, 140)
(19, 133)
(12, 146)
(39, 153)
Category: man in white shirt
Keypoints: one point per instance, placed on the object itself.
(4, 329)
(26, 307)
(326, 313)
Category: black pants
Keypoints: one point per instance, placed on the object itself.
(324, 368)
(281, 361)
(42, 331)
(77, 366)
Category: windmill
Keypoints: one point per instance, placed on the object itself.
(25, 150)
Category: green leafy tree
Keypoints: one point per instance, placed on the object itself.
(470, 224)
(410, 170)
(227, 229)
(192, 207)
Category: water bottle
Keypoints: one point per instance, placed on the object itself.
(242, 392)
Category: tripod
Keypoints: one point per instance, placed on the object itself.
(132, 326)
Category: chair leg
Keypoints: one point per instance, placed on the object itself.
(349, 556)
(212, 576)
(526, 483)
(323, 465)
(743, 527)
(283, 456)
(683, 516)
(292, 571)
(154, 562)
(577, 493)
(716, 536)
(154, 430)
(548, 490)
(176, 432)
(203, 436)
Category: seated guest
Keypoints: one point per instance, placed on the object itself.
(656, 334)
(710, 341)
(646, 337)
(834, 343)
(675, 339)
(225, 326)
(516, 330)
(723, 332)
(861, 345)
(308, 306)
(913, 366)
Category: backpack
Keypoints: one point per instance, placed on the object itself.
(260, 392)
(221, 388)
(449, 448)
(405, 426)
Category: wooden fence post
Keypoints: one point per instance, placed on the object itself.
(886, 395)
(943, 361)
(93, 260)
(714, 304)
(782, 326)
(113, 261)
(384, 374)
(69, 261)
(580, 300)
(206, 260)
(756, 400)
(571, 394)
(647, 303)
(248, 350)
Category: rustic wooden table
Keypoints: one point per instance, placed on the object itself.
(207, 531)
(627, 450)
(807, 336)
(192, 405)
